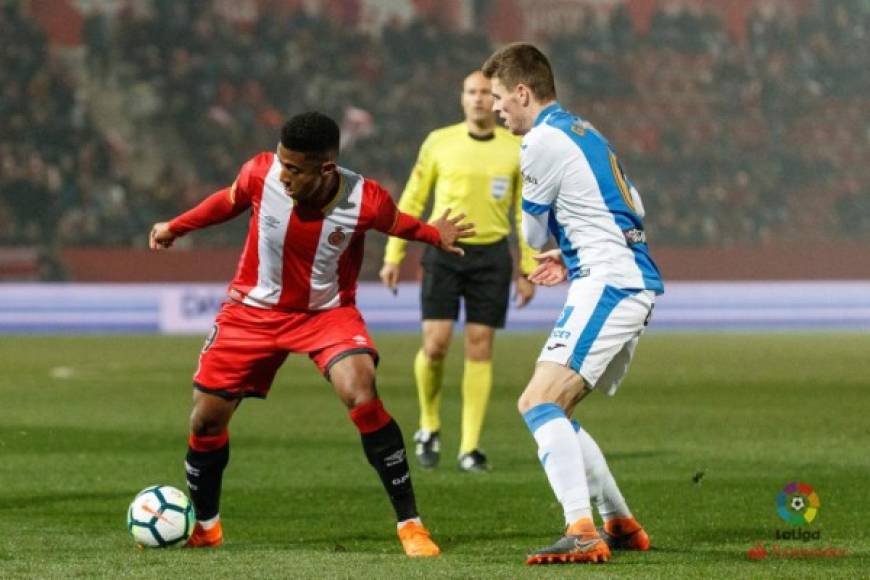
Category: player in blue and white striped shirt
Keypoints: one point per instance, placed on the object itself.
(575, 189)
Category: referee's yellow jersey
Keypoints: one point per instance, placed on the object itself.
(479, 177)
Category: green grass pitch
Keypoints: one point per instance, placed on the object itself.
(87, 422)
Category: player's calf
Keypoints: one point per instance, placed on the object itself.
(385, 450)
(207, 456)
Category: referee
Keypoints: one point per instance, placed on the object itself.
(473, 168)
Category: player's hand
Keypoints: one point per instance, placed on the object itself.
(524, 291)
(389, 275)
(551, 269)
(452, 230)
(161, 236)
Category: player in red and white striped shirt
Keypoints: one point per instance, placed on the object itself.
(294, 291)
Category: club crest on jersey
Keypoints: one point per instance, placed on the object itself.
(337, 237)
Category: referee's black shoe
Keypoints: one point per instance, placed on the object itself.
(473, 462)
(428, 449)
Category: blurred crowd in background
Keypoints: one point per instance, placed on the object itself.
(760, 141)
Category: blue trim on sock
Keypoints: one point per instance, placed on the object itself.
(576, 424)
(539, 415)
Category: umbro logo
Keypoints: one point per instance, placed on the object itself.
(394, 458)
(271, 221)
(555, 346)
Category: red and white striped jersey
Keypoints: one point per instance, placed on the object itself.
(298, 258)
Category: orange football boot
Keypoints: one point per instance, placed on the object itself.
(416, 541)
(206, 538)
(581, 543)
(625, 534)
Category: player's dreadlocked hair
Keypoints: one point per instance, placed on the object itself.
(311, 133)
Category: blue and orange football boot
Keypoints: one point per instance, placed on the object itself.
(581, 543)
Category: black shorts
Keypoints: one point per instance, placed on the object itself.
(482, 278)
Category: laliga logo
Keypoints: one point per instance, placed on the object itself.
(798, 503)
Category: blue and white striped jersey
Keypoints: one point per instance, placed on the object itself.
(573, 181)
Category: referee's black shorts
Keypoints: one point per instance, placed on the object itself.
(482, 278)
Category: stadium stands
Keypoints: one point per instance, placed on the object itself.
(731, 141)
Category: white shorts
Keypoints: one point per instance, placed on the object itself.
(598, 330)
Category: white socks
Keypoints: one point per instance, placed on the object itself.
(562, 458)
(416, 520)
(602, 487)
(210, 523)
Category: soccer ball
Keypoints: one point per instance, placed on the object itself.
(798, 503)
(160, 516)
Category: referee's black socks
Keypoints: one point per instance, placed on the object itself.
(385, 450)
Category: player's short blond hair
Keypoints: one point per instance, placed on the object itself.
(522, 63)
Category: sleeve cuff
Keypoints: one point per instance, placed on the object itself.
(533, 208)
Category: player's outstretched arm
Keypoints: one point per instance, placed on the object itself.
(216, 208)
(451, 230)
(551, 269)
(441, 233)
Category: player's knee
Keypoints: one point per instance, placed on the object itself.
(203, 425)
(478, 352)
(478, 343)
(435, 350)
(359, 397)
(353, 378)
(204, 422)
(356, 390)
(537, 392)
(525, 402)
(211, 414)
